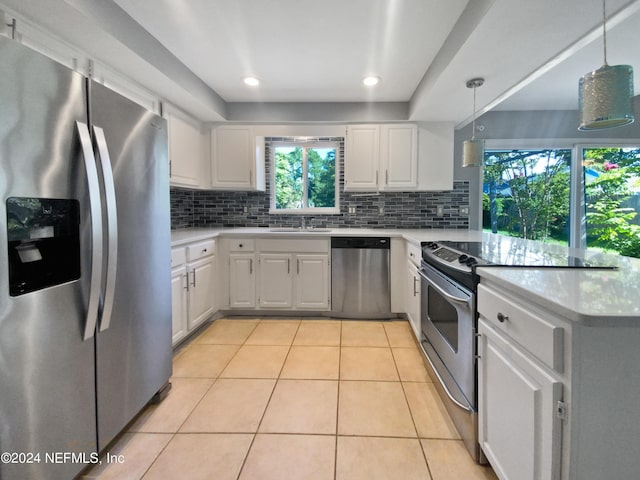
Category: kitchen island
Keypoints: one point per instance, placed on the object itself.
(562, 344)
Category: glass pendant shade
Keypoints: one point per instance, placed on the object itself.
(605, 97)
(472, 153)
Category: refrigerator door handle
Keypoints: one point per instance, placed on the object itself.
(96, 230)
(112, 226)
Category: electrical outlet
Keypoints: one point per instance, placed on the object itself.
(352, 210)
(439, 211)
(464, 210)
(381, 210)
(245, 209)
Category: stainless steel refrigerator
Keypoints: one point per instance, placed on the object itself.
(85, 313)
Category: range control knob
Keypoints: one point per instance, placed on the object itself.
(471, 262)
(433, 245)
(463, 258)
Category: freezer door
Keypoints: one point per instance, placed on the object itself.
(134, 338)
(47, 379)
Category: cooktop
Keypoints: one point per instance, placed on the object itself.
(512, 252)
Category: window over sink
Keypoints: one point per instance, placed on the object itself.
(304, 176)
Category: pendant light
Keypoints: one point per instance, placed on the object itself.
(473, 150)
(605, 94)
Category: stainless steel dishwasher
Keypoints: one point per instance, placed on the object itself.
(360, 277)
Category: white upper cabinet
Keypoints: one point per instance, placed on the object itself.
(237, 159)
(187, 153)
(381, 157)
(398, 157)
(362, 153)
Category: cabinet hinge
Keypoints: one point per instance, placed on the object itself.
(561, 410)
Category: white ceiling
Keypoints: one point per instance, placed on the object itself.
(302, 50)
(195, 53)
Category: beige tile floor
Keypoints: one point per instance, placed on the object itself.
(296, 399)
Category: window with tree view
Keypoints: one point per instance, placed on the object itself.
(612, 199)
(305, 179)
(531, 193)
(526, 193)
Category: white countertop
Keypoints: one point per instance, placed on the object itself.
(182, 236)
(590, 296)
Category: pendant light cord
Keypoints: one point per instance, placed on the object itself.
(473, 122)
(604, 30)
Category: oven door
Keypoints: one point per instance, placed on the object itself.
(447, 321)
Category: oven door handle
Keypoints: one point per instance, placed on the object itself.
(444, 386)
(441, 291)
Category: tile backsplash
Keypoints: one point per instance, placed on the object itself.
(199, 208)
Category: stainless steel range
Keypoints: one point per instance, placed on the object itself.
(449, 325)
(449, 318)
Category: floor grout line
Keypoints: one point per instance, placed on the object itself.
(335, 454)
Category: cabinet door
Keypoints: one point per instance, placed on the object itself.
(399, 157)
(275, 285)
(312, 282)
(185, 152)
(179, 303)
(520, 431)
(413, 298)
(237, 161)
(201, 291)
(242, 285)
(362, 153)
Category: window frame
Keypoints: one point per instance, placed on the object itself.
(305, 144)
(577, 206)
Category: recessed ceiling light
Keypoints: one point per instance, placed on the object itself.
(251, 81)
(370, 81)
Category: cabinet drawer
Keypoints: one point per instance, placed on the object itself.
(414, 253)
(201, 250)
(241, 245)
(178, 256)
(540, 337)
(311, 245)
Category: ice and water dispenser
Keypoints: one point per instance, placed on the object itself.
(43, 243)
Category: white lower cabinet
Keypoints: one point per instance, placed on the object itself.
(412, 300)
(279, 274)
(275, 281)
(201, 291)
(299, 281)
(557, 396)
(520, 431)
(179, 303)
(312, 282)
(192, 287)
(242, 282)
